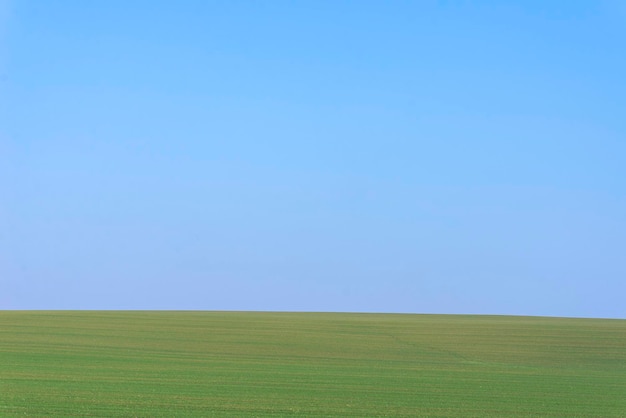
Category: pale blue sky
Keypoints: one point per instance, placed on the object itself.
(388, 156)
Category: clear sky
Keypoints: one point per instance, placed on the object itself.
(384, 156)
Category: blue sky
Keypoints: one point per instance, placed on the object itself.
(428, 157)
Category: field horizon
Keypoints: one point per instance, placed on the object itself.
(277, 363)
(289, 311)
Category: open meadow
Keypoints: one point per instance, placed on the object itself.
(162, 363)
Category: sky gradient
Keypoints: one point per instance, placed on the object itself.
(427, 157)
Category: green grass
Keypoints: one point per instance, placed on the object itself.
(114, 363)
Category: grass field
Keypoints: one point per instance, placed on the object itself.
(88, 363)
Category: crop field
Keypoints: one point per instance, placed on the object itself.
(175, 364)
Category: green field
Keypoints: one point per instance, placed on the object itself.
(89, 363)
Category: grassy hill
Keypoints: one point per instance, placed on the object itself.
(90, 363)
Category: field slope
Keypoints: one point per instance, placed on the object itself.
(89, 363)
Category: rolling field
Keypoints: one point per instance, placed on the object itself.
(90, 363)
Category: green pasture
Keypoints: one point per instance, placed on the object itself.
(177, 364)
